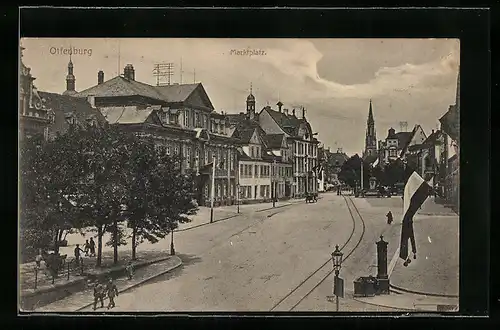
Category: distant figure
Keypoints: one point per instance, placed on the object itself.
(389, 217)
(77, 254)
(112, 291)
(99, 292)
(92, 247)
(86, 247)
(130, 270)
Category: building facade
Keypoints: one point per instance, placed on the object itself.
(265, 165)
(396, 145)
(450, 126)
(181, 118)
(300, 140)
(35, 116)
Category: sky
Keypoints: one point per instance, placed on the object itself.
(409, 80)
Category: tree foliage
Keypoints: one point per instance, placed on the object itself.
(100, 177)
(350, 172)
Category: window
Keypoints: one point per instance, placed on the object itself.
(256, 191)
(176, 149)
(186, 118)
(167, 148)
(392, 153)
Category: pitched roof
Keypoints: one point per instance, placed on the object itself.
(64, 105)
(120, 86)
(274, 141)
(176, 93)
(403, 138)
(126, 115)
(289, 123)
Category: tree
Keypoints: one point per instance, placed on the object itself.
(46, 180)
(101, 193)
(159, 196)
(350, 172)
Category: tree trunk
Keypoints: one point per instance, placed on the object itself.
(134, 245)
(115, 241)
(100, 232)
(56, 241)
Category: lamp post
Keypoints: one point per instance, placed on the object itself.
(273, 180)
(238, 197)
(337, 264)
(172, 249)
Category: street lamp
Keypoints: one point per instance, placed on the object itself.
(337, 264)
(238, 196)
(172, 249)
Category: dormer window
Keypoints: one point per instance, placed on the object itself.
(70, 119)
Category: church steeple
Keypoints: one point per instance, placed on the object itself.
(371, 135)
(251, 104)
(70, 79)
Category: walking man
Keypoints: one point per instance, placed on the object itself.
(112, 291)
(98, 294)
(389, 217)
(92, 247)
(78, 256)
(86, 247)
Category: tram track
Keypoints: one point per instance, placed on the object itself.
(300, 292)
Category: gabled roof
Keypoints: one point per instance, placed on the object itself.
(433, 138)
(288, 123)
(404, 138)
(120, 86)
(274, 141)
(64, 106)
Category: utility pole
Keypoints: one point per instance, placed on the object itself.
(181, 72)
(274, 183)
(212, 191)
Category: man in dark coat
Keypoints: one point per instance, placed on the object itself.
(99, 292)
(389, 217)
(112, 291)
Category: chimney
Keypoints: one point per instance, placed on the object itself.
(100, 77)
(303, 113)
(129, 72)
(391, 131)
(293, 112)
(279, 104)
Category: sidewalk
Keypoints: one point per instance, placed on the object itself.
(84, 299)
(411, 302)
(430, 279)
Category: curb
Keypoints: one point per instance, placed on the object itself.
(209, 223)
(385, 306)
(179, 263)
(423, 293)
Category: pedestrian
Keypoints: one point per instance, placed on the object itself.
(112, 291)
(92, 247)
(130, 269)
(77, 254)
(86, 248)
(389, 217)
(98, 294)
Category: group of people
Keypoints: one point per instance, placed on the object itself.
(89, 250)
(102, 290)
